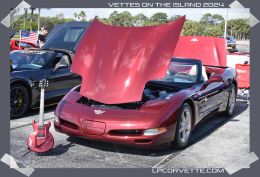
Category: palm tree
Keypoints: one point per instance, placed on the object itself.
(83, 16)
(31, 18)
(39, 16)
(25, 18)
(75, 15)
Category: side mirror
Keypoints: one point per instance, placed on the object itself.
(215, 78)
(60, 66)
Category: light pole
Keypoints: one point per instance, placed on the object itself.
(226, 20)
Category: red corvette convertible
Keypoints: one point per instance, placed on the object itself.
(134, 92)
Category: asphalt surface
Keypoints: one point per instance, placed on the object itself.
(243, 46)
(215, 143)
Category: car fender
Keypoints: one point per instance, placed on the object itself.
(172, 111)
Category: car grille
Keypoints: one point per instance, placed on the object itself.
(126, 132)
(68, 124)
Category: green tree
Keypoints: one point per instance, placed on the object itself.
(239, 28)
(32, 22)
(80, 16)
(191, 28)
(120, 19)
(209, 25)
(159, 18)
(209, 19)
(175, 17)
(218, 19)
(215, 31)
(140, 20)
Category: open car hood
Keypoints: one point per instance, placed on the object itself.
(116, 62)
(210, 50)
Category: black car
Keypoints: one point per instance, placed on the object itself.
(51, 62)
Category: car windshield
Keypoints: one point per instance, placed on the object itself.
(29, 59)
(181, 72)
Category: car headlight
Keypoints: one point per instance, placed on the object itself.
(154, 131)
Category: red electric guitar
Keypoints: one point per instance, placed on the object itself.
(41, 140)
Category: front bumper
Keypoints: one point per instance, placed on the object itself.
(136, 141)
(77, 120)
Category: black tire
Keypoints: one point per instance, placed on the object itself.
(231, 103)
(19, 100)
(178, 139)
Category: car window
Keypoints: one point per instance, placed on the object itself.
(182, 72)
(72, 35)
(66, 38)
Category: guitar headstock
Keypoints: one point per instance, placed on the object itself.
(43, 83)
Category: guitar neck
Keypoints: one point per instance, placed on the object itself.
(41, 115)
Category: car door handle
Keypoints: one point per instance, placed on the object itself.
(205, 99)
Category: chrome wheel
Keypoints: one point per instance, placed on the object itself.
(232, 100)
(185, 125)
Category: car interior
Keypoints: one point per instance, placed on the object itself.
(210, 70)
(204, 75)
(64, 59)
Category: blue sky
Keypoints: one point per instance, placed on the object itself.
(191, 13)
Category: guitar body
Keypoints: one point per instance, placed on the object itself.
(40, 140)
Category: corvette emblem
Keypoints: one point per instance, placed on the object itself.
(99, 111)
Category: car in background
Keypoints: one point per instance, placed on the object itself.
(17, 45)
(231, 41)
(240, 55)
(51, 62)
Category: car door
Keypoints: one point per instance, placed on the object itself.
(61, 80)
(210, 97)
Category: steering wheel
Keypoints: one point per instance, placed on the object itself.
(183, 74)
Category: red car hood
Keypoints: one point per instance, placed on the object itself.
(210, 50)
(116, 62)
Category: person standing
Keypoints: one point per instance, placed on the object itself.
(42, 37)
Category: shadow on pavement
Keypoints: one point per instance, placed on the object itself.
(58, 150)
(214, 122)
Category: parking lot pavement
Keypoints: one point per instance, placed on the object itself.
(217, 141)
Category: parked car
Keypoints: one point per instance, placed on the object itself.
(17, 45)
(168, 112)
(51, 62)
(231, 42)
(168, 108)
